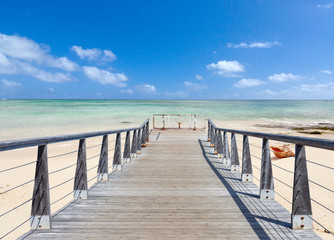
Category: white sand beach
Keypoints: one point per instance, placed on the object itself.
(318, 174)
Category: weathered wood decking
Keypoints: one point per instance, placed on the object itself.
(177, 189)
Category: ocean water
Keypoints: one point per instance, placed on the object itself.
(34, 118)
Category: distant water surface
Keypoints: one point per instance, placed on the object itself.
(33, 118)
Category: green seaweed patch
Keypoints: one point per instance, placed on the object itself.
(311, 132)
(326, 128)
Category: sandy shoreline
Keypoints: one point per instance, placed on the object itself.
(18, 176)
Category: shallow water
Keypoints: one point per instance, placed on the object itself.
(34, 118)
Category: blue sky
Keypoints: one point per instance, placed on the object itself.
(259, 49)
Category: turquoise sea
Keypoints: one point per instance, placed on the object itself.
(34, 118)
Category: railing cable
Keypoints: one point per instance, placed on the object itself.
(17, 186)
(61, 183)
(319, 164)
(3, 214)
(15, 228)
(63, 154)
(12, 168)
(61, 169)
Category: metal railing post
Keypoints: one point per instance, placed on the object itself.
(143, 137)
(126, 153)
(226, 152)
(235, 165)
(147, 131)
(266, 181)
(163, 122)
(194, 121)
(247, 171)
(212, 137)
(102, 170)
(138, 142)
(215, 150)
(134, 145)
(117, 161)
(219, 145)
(209, 131)
(40, 208)
(80, 179)
(301, 215)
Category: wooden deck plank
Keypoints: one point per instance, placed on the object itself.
(176, 189)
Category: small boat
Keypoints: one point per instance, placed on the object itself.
(282, 151)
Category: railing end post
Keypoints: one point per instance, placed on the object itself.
(103, 177)
(267, 194)
(247, 177)
(301, 222)
(40, 222)
(80, 194)
(235, 168)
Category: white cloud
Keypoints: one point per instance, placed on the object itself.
(283, 77)
(303, 91)
(254, 45)
(42, 75)
(127, 91)
(199, 77)
(317, 88)
(109, 56)
(90, 54)
(6, 66)
(51, 90)
(105, 77)
(94, 54)
(23, 49)
(248, 83)
(327, 71)
(65, 64)
(146, 88)
(10, 83)
(226, 68)
(195, 86)
(325, 6)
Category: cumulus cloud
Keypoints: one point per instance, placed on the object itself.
(10, 83)
(226, 68)
(195, 86)
(109, 56)
(26, 50)
(317, 88)
(254, 45)
(105, 77)
(283, 77)
(325, 6)
(65, 64)
(42, 75)
(94, 54)
(127, 91)
(319, 91)
(248, 83)
(146, 88)
(327, 71)
(6, 66)
(198, 77)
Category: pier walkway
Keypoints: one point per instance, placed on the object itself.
(176, 189)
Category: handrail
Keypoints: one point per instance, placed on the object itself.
(301, 214)
(306, 141)
(41, 205)
(30, 142)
